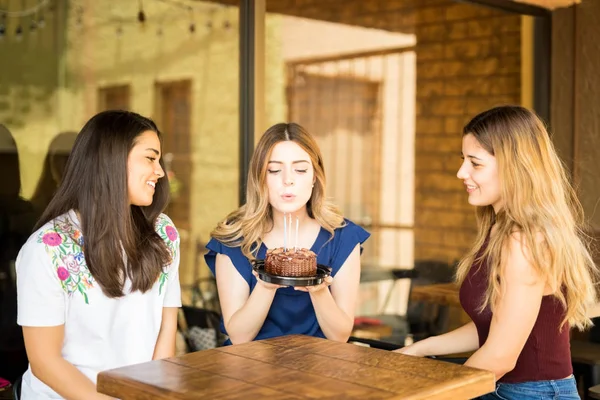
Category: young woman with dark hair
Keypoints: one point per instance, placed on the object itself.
(98, 284)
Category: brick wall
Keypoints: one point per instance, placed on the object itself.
(468, 59)
(575, 94)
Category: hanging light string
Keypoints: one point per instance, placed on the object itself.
(24, 13)
(141, 16)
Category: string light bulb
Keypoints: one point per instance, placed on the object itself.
(19, 33)
(141, 14)
(19, 30)
(35, 13)
(192, 27)
(2, 26)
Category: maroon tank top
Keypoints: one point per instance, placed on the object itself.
(547, 352)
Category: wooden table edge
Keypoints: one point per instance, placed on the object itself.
(107, 379)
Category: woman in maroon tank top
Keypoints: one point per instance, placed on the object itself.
(528, 278)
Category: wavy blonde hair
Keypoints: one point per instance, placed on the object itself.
(538, 201)
(245, 226)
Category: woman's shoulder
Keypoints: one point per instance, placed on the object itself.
(349, 228)
(166, 229)
(57, 241)
(217, 246)
(235, 254)
(346, 223)
(57, 232)
(335, 250)
(348, 235)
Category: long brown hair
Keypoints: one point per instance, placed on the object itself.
(538, 201)
(95, 185)
(245, 226)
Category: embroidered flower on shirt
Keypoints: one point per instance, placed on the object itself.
(87, 283)
(71, 264)
(171, 233)
(79, 257)
(52, 239)
(63, 242)
(62, 273)
(165, 229)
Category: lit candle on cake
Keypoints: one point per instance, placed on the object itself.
(290, 231)
(284, 232)
(296, 243)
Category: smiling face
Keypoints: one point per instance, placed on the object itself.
(290, 177)
(143, 169)
(479, 172)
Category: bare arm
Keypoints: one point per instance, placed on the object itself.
(44, 345)
(165, 344)
(335, 308)
(593, 310)
(460, 340)
(515, 313)
(243, 313)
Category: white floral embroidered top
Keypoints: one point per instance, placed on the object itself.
(55, 288)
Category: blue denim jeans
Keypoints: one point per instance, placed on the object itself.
(560, 389)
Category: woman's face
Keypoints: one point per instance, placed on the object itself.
(479, 173)
(290, 177)
(143, 169)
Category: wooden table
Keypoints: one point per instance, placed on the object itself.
(295, 367)
(442, 293)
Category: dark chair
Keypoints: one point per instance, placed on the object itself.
(200, 321)
(399, 328)
(428, 319)
(422, 319)
(201, 328)
(17, 389)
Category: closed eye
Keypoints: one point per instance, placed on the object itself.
(273, 171)
(301, 171)
(152, 159)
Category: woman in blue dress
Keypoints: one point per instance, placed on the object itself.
(286, 178)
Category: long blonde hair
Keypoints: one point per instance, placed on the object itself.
(538, 199)
(245, 226)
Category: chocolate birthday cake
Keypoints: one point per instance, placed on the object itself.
(291, 262)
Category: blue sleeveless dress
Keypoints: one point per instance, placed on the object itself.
(292, 311)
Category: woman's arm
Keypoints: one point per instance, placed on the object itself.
(44, 346)
(243, 313)
(593, 310)
(335, 308)
(515, 313)
(165, 344)
(460, 340)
